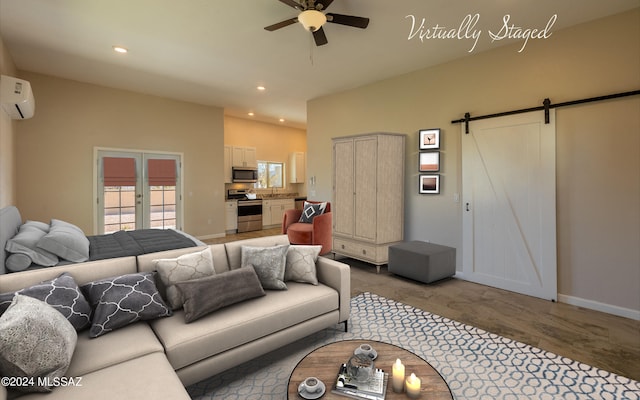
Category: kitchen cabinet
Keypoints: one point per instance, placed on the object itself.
(296, 167)
(273, 211)
(231, 216)
(368, 195)
(244, 157)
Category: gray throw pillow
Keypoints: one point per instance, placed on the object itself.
(17, 262)
(184, 268)
(301, 264)
(61, 293)
(205, 295)
(123, 300)
(66, 240)
(35, 341)
(26, 242)
(269, 263)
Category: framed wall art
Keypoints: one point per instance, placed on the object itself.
(429, 162)
(429, 184)
(429, 139)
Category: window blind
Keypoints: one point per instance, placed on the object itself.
(161, 172)
(119, 171)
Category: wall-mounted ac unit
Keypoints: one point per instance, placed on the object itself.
(16, 97)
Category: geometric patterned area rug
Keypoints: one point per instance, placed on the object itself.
(476, 364)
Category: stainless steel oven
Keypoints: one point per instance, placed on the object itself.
(249, 215)
(249, 210)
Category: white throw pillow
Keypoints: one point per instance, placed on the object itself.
(301, 264)
(184, 268)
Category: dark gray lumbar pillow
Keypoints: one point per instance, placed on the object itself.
(206, 295)
(35, 341)
(61, 293)
(123, 300)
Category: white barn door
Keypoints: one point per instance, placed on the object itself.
(509, 204)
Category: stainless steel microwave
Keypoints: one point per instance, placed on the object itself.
(244, 174)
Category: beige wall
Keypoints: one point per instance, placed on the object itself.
(598, 204)
(272, 142)
(55, 149)
(7, 141)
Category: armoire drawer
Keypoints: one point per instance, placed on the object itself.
(355, 249)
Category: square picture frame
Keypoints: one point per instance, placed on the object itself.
(429, 184)
(429, 161)
(429, 139)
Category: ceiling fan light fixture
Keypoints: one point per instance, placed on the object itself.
(312, 20)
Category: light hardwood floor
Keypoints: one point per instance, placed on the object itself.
(599, 339)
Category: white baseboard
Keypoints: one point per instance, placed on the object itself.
(603, 307)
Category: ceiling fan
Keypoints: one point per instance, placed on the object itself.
(312, 18)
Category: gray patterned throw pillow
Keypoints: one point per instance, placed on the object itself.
(269, 263)
(123, 300)
(35, 341)
(61, 293)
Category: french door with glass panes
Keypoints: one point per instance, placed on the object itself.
(138, 190)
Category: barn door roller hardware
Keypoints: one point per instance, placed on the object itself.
(546, 106)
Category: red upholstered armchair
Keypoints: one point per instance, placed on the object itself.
(318, 232)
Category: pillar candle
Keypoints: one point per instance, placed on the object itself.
(412, 386)
(397, 377)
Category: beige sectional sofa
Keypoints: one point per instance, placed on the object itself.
(157, 359)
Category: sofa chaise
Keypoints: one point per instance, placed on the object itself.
(156, 359)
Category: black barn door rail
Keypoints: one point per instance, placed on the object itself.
(546, 106)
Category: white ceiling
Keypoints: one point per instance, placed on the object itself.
(216, 52)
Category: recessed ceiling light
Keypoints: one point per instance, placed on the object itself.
(120, 49)
(251, 114)
(281, 119)
(261, 88)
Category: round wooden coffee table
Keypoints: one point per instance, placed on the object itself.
(324, 363)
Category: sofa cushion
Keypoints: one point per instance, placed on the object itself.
(183, 268)
(126, 343)
(241, 323)
(35, 341)
(82, 273)
(123, 300)
(301, 264)
(147, 377)
(269, 264)
(63, 294)
(66, 240)
(299, 232)
(205, 295)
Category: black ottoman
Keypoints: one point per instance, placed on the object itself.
(422, 261)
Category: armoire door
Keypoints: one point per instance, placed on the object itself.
(343, 191)
(366, 155)
(509, 214)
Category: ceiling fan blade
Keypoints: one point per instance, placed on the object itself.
(292, 3)
(282, 24)
(349, 20)
(325, 3)
(320, 37)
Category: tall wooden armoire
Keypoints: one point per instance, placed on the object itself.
(368, 195)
